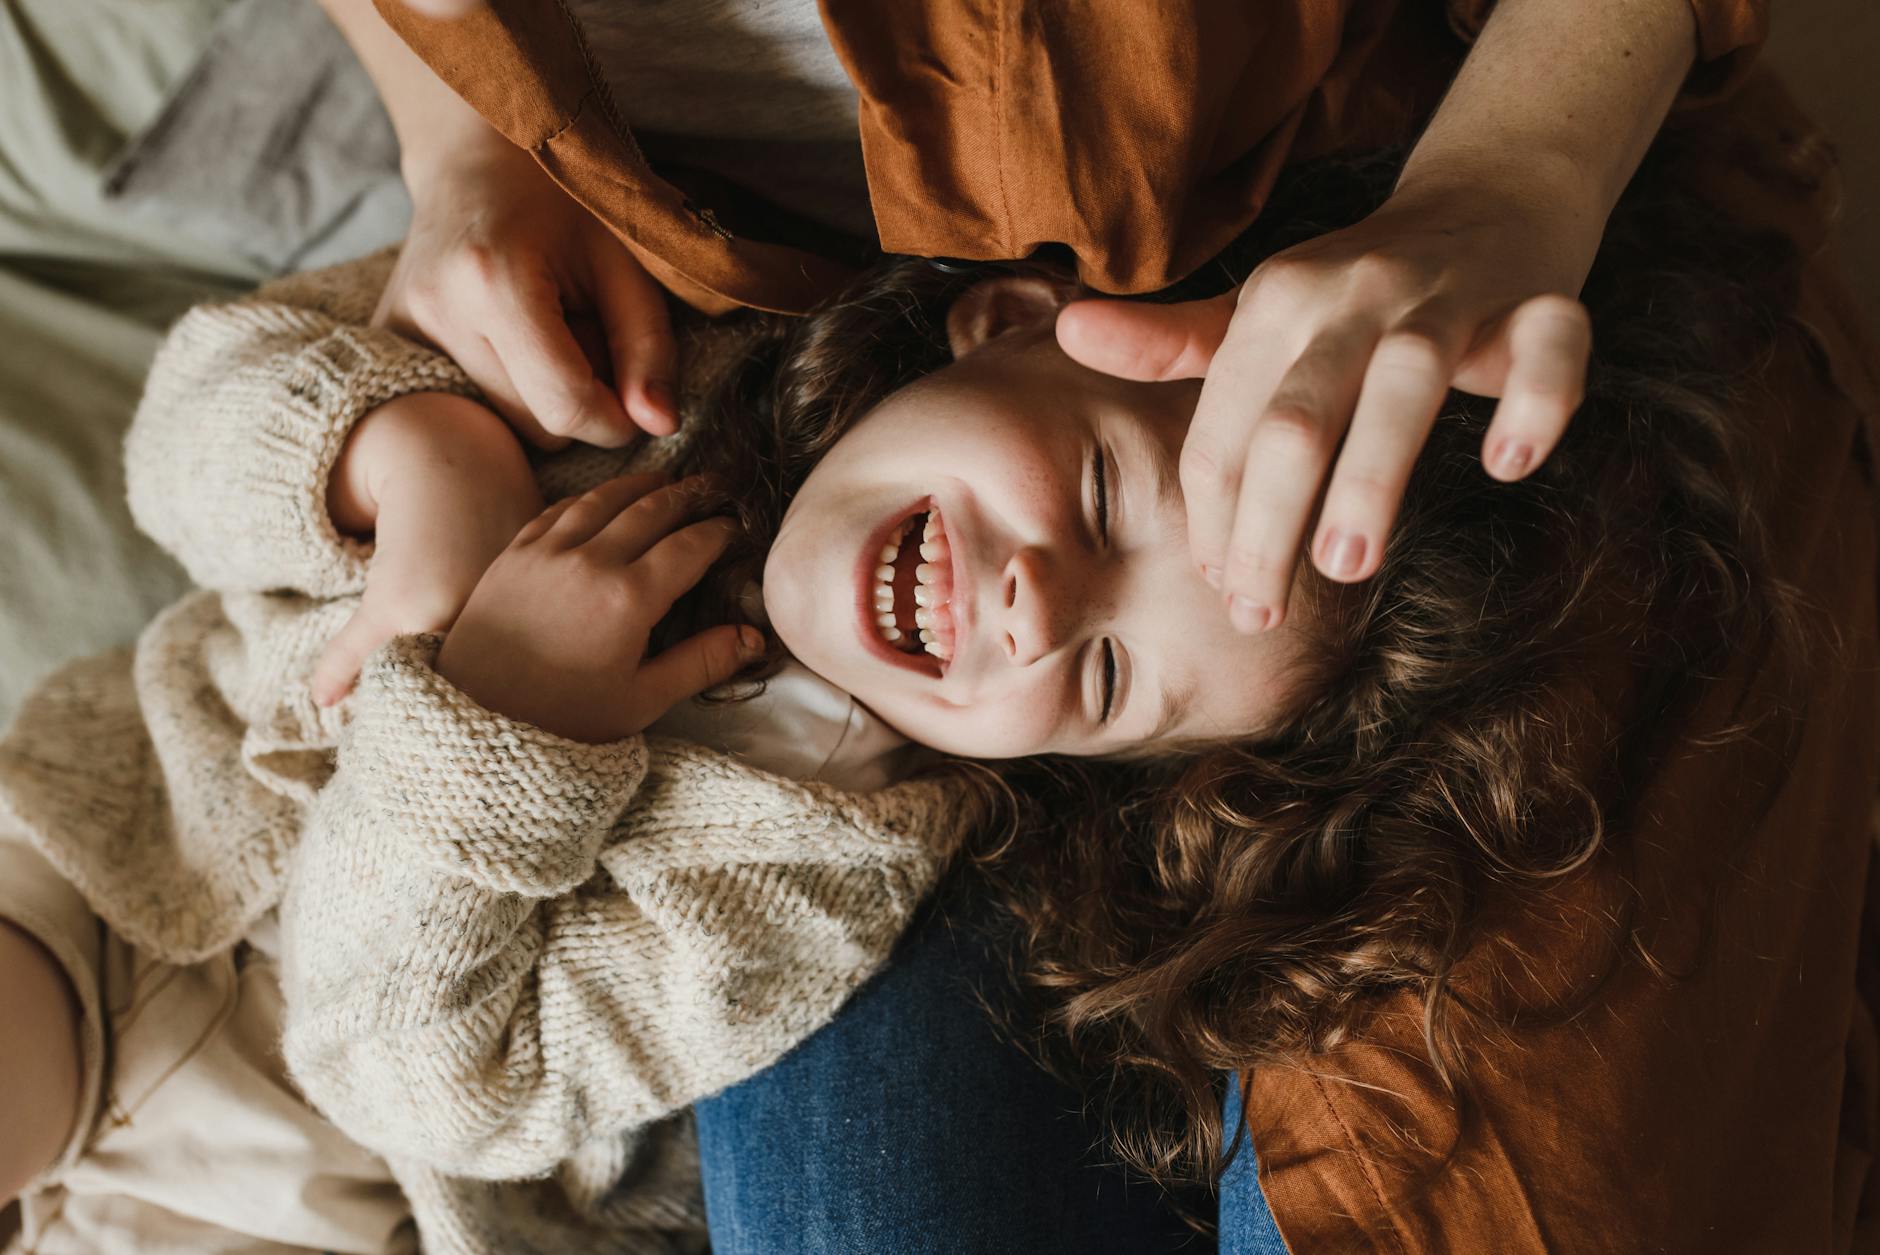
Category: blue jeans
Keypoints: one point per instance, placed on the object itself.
(910, 1125)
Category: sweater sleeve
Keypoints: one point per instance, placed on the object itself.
(1729, 33)
(476, 981)
(244, 414)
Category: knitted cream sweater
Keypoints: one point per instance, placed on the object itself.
(508, 958)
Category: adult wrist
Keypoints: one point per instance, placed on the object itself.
(1548, 195)
(455, 151)
(1539, 181)
(435, 126)
(1559, 102)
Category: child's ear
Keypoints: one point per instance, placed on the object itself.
(993, 307)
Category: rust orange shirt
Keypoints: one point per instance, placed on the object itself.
(1142, 137)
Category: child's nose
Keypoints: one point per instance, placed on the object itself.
(1036, 608)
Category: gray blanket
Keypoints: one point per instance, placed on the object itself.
(274, 147)
(153, 153)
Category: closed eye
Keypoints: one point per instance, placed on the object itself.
(1100, 493)
(1109, 681)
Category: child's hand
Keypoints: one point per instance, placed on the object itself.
(442, 484)
(556, 633)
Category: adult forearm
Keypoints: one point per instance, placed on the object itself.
(434, 124)
(1562, 99)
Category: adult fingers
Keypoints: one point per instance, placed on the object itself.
(1287, 456)
(580, 518)
(421, 310)
(1549, 342)
(696, 664)
(479, 361)
(639, 336)
(1241, 380)
(445, 9)
(1137, 340)
(634, 531)
(552, 377)
(1404, 387)
(340, 662)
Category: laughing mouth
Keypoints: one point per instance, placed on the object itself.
(913, 588)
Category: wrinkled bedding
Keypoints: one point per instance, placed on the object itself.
(107, 110)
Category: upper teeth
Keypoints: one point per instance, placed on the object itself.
(932, 589)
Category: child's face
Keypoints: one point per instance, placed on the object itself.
(1067, 614)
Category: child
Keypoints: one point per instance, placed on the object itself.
(585, 930)
(519, 938)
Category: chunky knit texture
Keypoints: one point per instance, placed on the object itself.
(511, 961)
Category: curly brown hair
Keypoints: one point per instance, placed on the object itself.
(1232, 904)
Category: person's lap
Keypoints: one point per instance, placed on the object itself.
(909, 1124)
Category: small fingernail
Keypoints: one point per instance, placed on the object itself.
(1212, 574)
(1512, 460)
(750, 643)
(1341, 554)
(1246, 616)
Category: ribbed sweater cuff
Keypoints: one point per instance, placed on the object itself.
(247, 409)
(498, 802)
(327, 388)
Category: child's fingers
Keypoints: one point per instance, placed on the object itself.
(593, 510)
(676, 563)
(340, 662)
(534, 529)
(696, 664)
(636, 529)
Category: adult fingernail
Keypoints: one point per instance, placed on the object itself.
(1342, 554)
(659, 392)
(750, 643)
(1512, 460)
(1212, 574)
(1247, 616)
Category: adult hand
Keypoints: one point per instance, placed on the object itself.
(556, 632)
(444, 9)
(1356, 337)
(499, 271)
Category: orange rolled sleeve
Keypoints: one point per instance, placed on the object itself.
(1729, 32)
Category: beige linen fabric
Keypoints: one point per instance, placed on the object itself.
(191, 1139)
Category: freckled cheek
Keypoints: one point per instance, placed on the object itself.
(1037, 480)
(990, 444)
